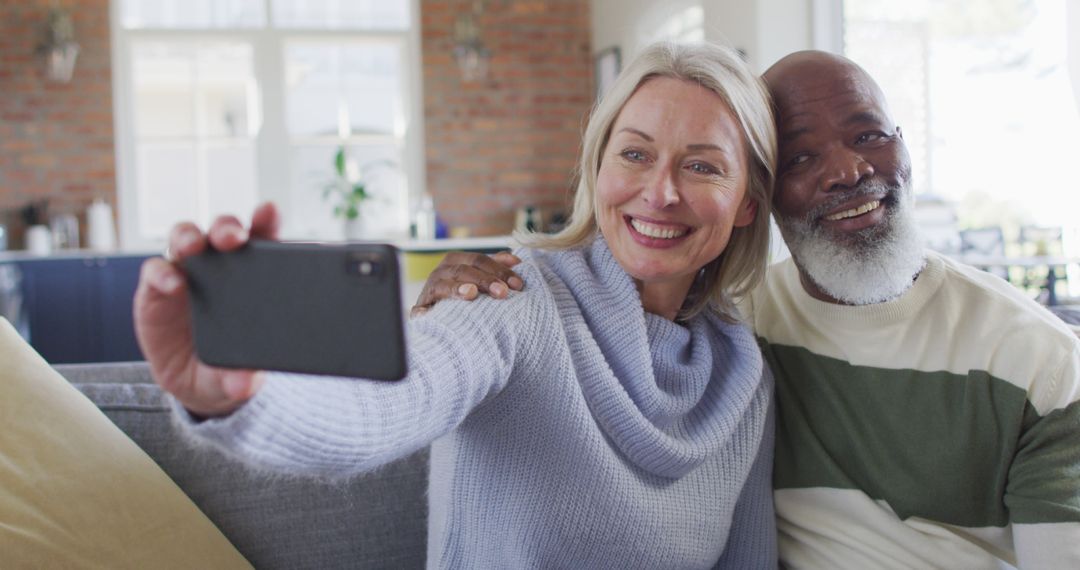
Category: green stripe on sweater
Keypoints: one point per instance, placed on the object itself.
(934, 445)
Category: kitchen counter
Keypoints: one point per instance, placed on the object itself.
(487, 244)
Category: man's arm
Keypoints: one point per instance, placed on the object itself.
(464, 275)
(1043, 493)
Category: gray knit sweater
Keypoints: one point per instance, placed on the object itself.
(568, 427)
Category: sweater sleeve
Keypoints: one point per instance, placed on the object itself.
(459, 354)
(752, 540)
(1043, 493)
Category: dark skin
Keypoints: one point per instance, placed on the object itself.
(835, 132)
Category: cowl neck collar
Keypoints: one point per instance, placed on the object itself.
(671, 395)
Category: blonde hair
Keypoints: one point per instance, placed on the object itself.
(720, 69)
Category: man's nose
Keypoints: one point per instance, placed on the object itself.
(661, 189)
(845, 170)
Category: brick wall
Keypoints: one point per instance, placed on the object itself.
(513, 139)
(56, 140)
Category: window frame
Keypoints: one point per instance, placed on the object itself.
(272, 139)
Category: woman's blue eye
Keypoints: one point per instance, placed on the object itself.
(634, 155)
(702, 168)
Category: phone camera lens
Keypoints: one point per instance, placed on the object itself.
(369, 268)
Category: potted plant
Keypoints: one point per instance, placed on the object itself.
(349, 191)
(347, 194)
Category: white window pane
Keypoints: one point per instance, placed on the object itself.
(341, 14)
(167, 186)
(372, 88)
(192, 14)
(164, 83)
(230, 178)
(312, 89)
(186, 88)
(228, 90)
(380, 166)
(954, 89)
(344, 88)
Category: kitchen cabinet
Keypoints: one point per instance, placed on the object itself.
(79, 307)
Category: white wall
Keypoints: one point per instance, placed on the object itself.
(1072, 17)
(765, 29)
(628, 23)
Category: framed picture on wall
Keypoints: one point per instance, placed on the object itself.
(608, 65)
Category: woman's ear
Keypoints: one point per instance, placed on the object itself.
(746, 213)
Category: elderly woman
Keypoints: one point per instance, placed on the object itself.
(611, 414)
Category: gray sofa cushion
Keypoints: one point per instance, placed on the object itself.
(375, 521)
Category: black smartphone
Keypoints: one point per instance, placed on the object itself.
(300, 307)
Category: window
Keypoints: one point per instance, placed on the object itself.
(984, 94)
(222, 104)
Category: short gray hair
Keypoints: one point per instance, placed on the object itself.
(721, 70)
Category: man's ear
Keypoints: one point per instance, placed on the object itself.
(899, 132)
(746, 213)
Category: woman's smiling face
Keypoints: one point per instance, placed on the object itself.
(672, 183)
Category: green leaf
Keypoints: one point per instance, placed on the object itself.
(352, 213)
(339, 161)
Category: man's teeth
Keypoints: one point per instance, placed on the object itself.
(854, 211)
(655, 231)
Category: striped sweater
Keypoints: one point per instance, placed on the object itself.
(940, 429)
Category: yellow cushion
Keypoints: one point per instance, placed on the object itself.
(420, 264)
(75, 492)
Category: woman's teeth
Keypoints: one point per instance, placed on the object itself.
(655, 231)
(854, 211)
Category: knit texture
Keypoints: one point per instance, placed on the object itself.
(568, 427)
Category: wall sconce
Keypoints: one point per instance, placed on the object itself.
(59, 47)
(469, 51)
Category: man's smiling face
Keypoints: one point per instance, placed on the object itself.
(843, 192)
(836, 138)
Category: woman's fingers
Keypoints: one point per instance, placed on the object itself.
(227, 233)
(185, 240)
(265, 221)
(162, 319)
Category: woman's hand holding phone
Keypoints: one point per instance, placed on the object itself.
(163, 317)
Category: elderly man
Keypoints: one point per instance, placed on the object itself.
(927, 411)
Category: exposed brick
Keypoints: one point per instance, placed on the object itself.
(511, 140)
(57, 142)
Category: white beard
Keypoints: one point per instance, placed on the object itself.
(874, 265)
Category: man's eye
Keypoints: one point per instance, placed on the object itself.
(869, 137)
(796, 160)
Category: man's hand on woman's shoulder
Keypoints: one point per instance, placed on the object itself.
(464, 275)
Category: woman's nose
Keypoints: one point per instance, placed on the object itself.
(661, 189)
(845, 169)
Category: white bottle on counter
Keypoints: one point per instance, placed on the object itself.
(100, 230)
(39, 240)
(425, 218)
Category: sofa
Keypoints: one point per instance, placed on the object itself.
(373, 521)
